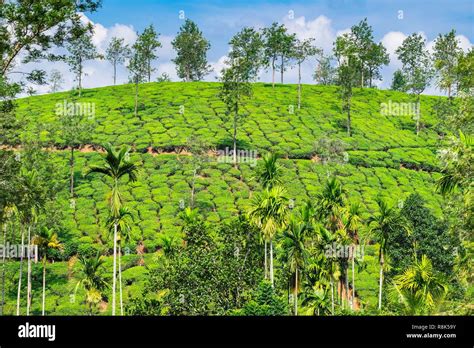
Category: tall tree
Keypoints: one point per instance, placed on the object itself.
(275, 39)
(247, 49)
(325, 73)
(81, 49)
(191, 50)
(382, 225)
(293, 245)
(269, 213)
(347, 72)
(235, 89)
(116, 53)
(46, 240)
(123, 220)
(377, 56)
(148, 43)
(361, 36)
(268, 174)
(55, 81)
(138, 68)
(446, 55)
(116, 167)
(75, 130)
(286, 48)
(416, 67)
(301, 51)
(353, 223)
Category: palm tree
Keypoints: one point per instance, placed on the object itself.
(328, 262)
(268, 174)
(91, 279)
(330, 204)
(293, 244)
(46, 240)
(352, 224)
(330, 209)
(420, 289)
(122, 221)
(31, 202)
(269, 213)
(116, 167)
(386, 221)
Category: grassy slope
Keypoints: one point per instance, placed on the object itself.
(380, 150)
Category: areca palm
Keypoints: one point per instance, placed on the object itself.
(420, 289)
(116, 167)
(91, 279)
(330, 204)
(386, 221)
(46, 240)
(352, 223)
(123, 223)
(269, 212)
(269, 172)
(293, 244)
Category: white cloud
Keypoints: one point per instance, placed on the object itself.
(319, 28)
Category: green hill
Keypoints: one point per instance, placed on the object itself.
(385, 156)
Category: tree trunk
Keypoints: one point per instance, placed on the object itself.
(120, 276)
(418, 114)
(114, 279)
(115, 73)
(362, 78)
(28, 293)
(349, 133)
(3, 266)
(282, 68)
(380, 280)
(136, 98)
(332, 296)
(44, 284)
(273, 72)
(266, 263)
(296, 291)
(149, 71)
(348, 298)
(80, 78)
(235, 136)
(271, 262)
(21, 270)
(71, 163)
(299, 85)
(353, 281)
(193, 184)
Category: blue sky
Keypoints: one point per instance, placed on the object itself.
(324, 20)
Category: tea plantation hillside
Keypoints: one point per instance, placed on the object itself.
(385, 157)
(169, 113)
